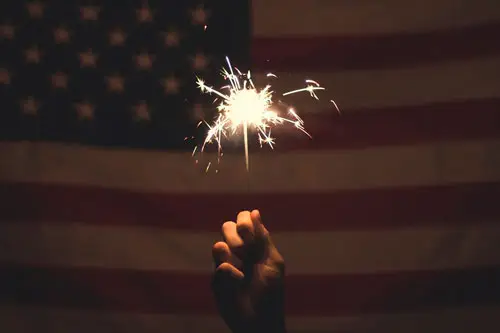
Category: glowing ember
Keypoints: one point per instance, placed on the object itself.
(245, 107)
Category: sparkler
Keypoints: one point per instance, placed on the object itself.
(245, 107)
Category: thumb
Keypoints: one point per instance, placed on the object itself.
(227, 271)
(226, 280)
(226, 284)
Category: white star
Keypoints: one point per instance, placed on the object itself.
(59, 80)
(144, 14)
(88, 59)
(197, 112)
(171, 85)
(115, 83)
(85, 110)
(117, 37)
(61, 35)
(144, 61)
(199, 62)
(33, 55)
(141, 111)
(35, 9)
(4, 76)
(89, 13)
(171, 38)
(7, 31)
(29, 106)
(199, 16)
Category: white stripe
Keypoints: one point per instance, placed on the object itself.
(363, 17)
(305, 253)
(437, 164)
(457, 80)
(55, 320)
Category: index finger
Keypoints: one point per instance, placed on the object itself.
(259, 229)
(245, 228)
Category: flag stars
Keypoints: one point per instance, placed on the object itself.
(35, 9)
(89, 13)
(171, 85)
(200, 62)
(61, 35)
(141, 111)
(85, 110)
(117, 37)
(33, 55)
(7, 31)
(115, 83)
(59, 80)
(144, 14)
(171, 38)
(29, 106)
(144, 61)
(4, 76)
(88, 59)
(197, 111)
(199, 16)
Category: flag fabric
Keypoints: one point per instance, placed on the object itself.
(388, 218)
(114, 74)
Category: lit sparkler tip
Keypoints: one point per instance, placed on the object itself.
(246, 107)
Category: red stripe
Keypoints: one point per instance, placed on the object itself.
(181, 293)
(466, 204)
(475, 119)
(459, 120)
(317, 53)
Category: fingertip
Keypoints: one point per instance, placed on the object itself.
(243, 215)
(257, 222)
(255, 215)
(230, 235)
(228, 228)
(220, 246)
(220, 253)
(227, 225)
(244, 227)
(245, 231)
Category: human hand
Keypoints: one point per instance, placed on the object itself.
(248, 278)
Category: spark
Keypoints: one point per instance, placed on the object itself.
(336, 106)
(310, 88)
(243, 107)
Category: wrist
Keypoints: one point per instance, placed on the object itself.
(263, 330)
(279, 327)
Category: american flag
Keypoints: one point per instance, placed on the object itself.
(389, 219)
